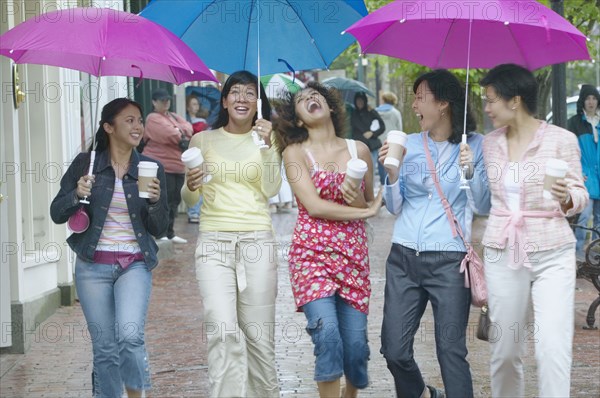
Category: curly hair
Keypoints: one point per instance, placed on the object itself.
(286, 127)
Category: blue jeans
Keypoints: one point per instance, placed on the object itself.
(593, 208)
(115, 304)
(339, 334)
(380, 168)
(194, 211)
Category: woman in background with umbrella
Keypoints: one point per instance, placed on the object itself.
(117, 252)
(529, 245)
(424, 264)
(236, 261)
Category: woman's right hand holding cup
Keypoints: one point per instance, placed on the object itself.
(194, 178)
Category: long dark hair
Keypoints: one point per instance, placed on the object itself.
(241, 77)
(446, 87)
(109, 112)
(286, 127)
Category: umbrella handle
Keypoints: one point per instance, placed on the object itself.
(259, 107)
(90, 170)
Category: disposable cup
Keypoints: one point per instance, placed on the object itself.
(147, 171)
(193, 158)
(396, 142)
(555, 170)
(355, 171)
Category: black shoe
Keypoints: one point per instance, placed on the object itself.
(435, 393)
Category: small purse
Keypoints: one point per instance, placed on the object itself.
(79, 221)
(483, 327)
(184, 142)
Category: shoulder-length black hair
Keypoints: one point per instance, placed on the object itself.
(286, 127)
(241, 77)
(511, 80)
(446, 87)
(108, 115)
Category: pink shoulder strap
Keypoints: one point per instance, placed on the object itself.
(447, 207)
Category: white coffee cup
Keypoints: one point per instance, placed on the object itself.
(192, 158)
(555, 170)
(355, 170)
(396, 142)
(146, 173)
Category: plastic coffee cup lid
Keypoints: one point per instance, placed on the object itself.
(356, 168)
(556, 167)
(397, 137)
(147, 165)
(192, 157)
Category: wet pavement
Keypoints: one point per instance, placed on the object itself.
(59, 361)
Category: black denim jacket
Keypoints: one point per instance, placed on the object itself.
(147, 219)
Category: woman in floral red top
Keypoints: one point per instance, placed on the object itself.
(329, 263)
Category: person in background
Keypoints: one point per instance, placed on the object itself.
(367, 125)
(393, 121)
(197, 117)
(424, 264)
(116, 253)
(236, 260)
(163, 134)
(328, 257)
(586, 126)
(529, 245)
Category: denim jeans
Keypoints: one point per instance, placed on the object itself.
(339, 334)
(592, 210)
(194, 211)
(380, 168)
(115, 304)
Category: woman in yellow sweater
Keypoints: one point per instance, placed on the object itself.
(236, 261)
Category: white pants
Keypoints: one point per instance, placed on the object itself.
(237, 275)
(550, 285)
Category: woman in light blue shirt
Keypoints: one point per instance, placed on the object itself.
(424, 262)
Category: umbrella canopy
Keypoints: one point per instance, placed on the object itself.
(437, 34)
(348, 87)
(227, 34)
(277, 85)
(103, 41)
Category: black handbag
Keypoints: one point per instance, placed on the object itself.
(184, 142)
(483, 327)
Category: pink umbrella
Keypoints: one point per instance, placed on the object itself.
(438, 34)
(103, 42)
(466, 33)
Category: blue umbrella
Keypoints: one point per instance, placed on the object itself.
(291, 35)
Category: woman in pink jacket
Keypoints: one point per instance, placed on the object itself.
(529, 246)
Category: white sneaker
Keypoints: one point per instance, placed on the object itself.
(164, 238)
(177, 239)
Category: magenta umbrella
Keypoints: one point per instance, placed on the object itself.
(103, 42)
(466, 33)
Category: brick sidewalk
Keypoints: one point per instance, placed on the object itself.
(59, 362)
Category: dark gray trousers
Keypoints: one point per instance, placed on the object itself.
(174, 184)
(411, 281)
